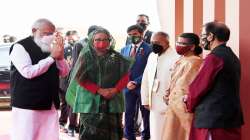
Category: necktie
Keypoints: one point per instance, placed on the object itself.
(133, 51)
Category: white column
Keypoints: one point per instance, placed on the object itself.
(166, 11)
(188, 15)
(232, 21)
(208, 10)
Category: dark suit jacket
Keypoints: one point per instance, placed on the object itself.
(139, 65)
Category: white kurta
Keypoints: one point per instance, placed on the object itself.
(155, 81)
(34, 124)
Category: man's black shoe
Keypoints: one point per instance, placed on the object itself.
(77, 129)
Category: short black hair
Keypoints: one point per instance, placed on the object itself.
(143, 15)
(135, 27)
(193, 39)
(220, 30)
(72, 32)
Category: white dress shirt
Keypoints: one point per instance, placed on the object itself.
(22, 61)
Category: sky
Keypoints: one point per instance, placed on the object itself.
(115, 15)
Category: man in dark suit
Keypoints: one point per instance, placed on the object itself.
(80, 44)
(139, 51)
(66, 112)
(143, 21)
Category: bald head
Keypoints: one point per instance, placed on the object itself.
(164, 36)
(220, 30)
(160, 38)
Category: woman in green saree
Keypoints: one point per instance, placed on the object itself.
(95, 88)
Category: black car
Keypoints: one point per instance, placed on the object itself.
(4, 76)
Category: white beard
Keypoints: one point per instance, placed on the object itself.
(43, 44)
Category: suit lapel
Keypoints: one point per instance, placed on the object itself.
(139, 49)
(128, 50)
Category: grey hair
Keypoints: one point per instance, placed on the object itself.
(163, 34)
(41, 22)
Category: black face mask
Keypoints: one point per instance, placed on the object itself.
(143, 25)
(157, 49)
(206, 44)
(71, 42)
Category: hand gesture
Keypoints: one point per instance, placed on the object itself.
(57, 50)
(166, 96)
(107, 93)
(147, 107)
(131, 85)
(184, 99)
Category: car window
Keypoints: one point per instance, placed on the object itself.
(4, 56)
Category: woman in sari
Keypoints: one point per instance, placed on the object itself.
(178, 123)
(95, 88)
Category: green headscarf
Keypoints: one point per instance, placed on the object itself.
(105, 70)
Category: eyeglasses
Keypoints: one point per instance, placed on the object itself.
(100, 39)
(183, 44)
(203, 35)
(141, 21)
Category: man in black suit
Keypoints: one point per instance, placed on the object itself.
(143, 21)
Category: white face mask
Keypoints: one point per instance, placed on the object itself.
(44, 42)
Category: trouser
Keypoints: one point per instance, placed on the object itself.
(130, 103)
(178, 121)
(215, 133)
(34, 124)
(67, 112)
(138, 118)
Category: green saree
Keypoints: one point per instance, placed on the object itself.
(100, 119)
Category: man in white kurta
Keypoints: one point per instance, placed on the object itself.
(155, 81)
(40, 122)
